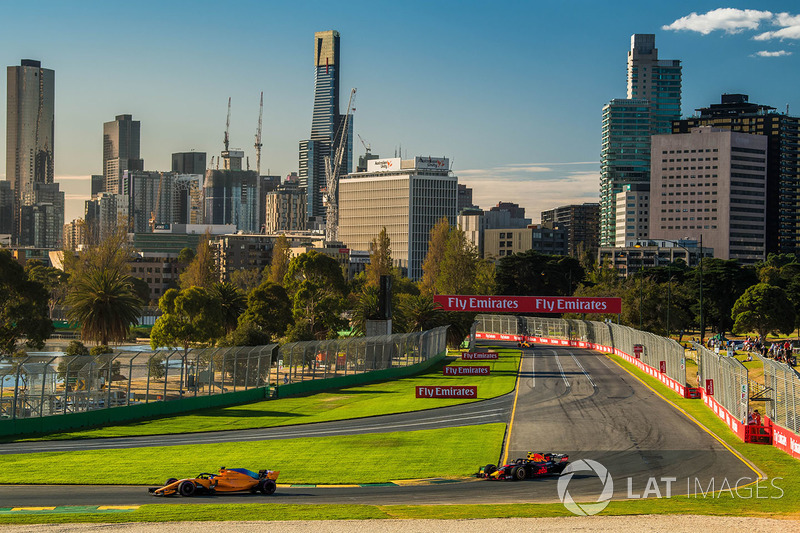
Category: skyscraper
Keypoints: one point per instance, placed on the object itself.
(656, 80)
(624, 157)
(653, 102)
(325, 125)
(120, 151)
(30, 130)
(189, 162)
(735, 113)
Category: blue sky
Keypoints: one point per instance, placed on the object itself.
(511, 91)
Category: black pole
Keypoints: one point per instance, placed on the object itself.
(702, 324)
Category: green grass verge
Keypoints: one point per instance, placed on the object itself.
(371, 458)
(383, 398)
(273, 511)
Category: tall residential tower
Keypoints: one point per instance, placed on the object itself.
(325, 124)
(30, 130)
(120, 151)
(653, 102)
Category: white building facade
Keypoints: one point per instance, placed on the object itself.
(405, 196)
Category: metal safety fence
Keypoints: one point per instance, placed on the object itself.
(42, 385)
(655, 349)
(782, 386)
(729, 380)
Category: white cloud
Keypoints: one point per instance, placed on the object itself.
(787, 32)
(777, 53)
(727, 19)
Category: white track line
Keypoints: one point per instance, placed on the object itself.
(585, 373)
(561, 368)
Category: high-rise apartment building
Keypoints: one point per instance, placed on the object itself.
(75, 234)
(150, 199)
(407, 197)
(656, 80)
(98, 182)
(189, 162)
(121, 147)
(231, 197)
(326, 123)
(105, 214)
(6, 208)
(624, 157)
(653, 102)
(782, 131)
(582, 223)
(285, 209)
(633, 214)
(711, 184)
(30, 127)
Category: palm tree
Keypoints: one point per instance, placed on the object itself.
(104, 303)
(421, 313)
(232, 302)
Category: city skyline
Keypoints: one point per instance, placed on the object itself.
(517, 104)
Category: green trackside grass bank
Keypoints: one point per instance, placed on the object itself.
(387, 397)
(372, 458)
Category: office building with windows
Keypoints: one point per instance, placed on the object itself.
(736, 113)
(326, 123)
(653, 102)
(407, 197)
(121, 151)
(30, 127)
(711, 184)
(582, 223)
(633, 214)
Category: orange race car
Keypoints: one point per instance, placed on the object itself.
(227, 480)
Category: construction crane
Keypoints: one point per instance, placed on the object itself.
(367, 147)
(332, 168)
(225, 139)
(258, 144)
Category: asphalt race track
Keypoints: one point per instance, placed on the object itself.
(579, 402)
(569, 400)
(485, 412)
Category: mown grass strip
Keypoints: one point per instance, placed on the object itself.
(356, 459)
(388, 397)
(288, 512)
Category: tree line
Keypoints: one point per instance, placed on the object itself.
(308, 297)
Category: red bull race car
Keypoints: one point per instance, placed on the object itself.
(227, 480)
(534, 465)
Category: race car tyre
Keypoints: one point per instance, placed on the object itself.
(268, 487)
(186, 488)
(520, 473)
(170, 481)
(488, 469)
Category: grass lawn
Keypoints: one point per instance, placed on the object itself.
(340, 404)
(372, 458)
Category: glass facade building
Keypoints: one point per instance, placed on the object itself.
(30, 127)
(325, 125)
(736, 113)
(653, 103)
